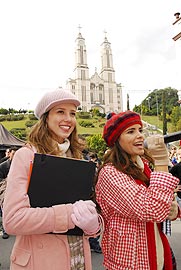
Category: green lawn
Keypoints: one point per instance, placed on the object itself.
(81, 130)
(14, 124)
(153, 120)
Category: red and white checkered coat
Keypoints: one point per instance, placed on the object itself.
(126, 208)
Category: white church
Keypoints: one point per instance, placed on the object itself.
(99, 90)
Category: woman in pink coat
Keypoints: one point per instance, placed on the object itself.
(39, 244)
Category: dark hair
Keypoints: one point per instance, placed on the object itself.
(121, 160)
(13, 148)
(93, 155)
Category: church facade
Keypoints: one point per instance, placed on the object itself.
(99, 91)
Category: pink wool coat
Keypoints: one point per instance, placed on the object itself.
(34, 248)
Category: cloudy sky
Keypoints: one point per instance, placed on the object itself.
(38, 43)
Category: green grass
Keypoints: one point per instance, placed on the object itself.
(81, 130)
(14, 124)
(153, 120)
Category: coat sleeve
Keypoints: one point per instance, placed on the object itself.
(19, 218)
(117, 193)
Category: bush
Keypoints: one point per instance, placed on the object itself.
(2, 118)
(32, 117)
(13, 117)
(83, 115)
(86, 124)
(30, 123)
(96, 144)
(19, 133)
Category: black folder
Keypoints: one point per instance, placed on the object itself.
(58, 180)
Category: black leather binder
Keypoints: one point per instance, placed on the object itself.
(58, 180)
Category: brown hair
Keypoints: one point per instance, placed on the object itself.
(42, 138)
(122, 162)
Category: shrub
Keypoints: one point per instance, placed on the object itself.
(30, 123)
(86, 124)
(19, 133)
(32, 116)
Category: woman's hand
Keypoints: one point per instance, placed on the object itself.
(173, 210)
(178, 188)
(85, 216)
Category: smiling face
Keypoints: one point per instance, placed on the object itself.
(61, 121)
(132, 141)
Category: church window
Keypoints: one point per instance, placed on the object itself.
(82, 74)
(109, 77)
(110, 95)
(81, 55)
(108, 60)
(83, 93)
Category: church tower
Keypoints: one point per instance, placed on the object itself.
(112, 91)
(99, 91)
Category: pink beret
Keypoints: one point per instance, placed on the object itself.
(51, 99)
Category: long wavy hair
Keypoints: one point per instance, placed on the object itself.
(121, 160)
(43, 140)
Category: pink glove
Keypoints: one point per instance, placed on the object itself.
(85, 216)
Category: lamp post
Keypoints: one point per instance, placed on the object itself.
(148, 99)
(156, 107)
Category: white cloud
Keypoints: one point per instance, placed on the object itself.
(38, 42)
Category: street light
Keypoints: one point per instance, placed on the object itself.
(148, 99)
(156, 106)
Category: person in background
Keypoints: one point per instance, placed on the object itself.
(173, 155)
(94, 157)
(134, 200)
(176, 171)
(6, 156)
(4, 170)
(41, 240)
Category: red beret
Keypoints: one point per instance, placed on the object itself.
(117, 124)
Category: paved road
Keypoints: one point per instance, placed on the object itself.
(175, 241)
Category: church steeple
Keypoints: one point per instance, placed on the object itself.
(106, 56)
(99, 91)
(80, 52)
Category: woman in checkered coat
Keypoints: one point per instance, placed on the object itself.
(135, 200)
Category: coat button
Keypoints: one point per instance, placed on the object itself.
(13, 258)
(40, 245)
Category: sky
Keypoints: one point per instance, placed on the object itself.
(38, 44)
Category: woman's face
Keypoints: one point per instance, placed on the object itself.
(132, 141)
(61, 121)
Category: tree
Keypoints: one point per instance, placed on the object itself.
(153, 102)
(128, 107)
(96, 144)
(164, 113)
(175, 118)
(4, 111)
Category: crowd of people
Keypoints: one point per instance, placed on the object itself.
(133, 195)
(175, 168)
(5, 164)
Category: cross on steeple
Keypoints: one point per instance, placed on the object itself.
(79, 27)
(105, 32)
